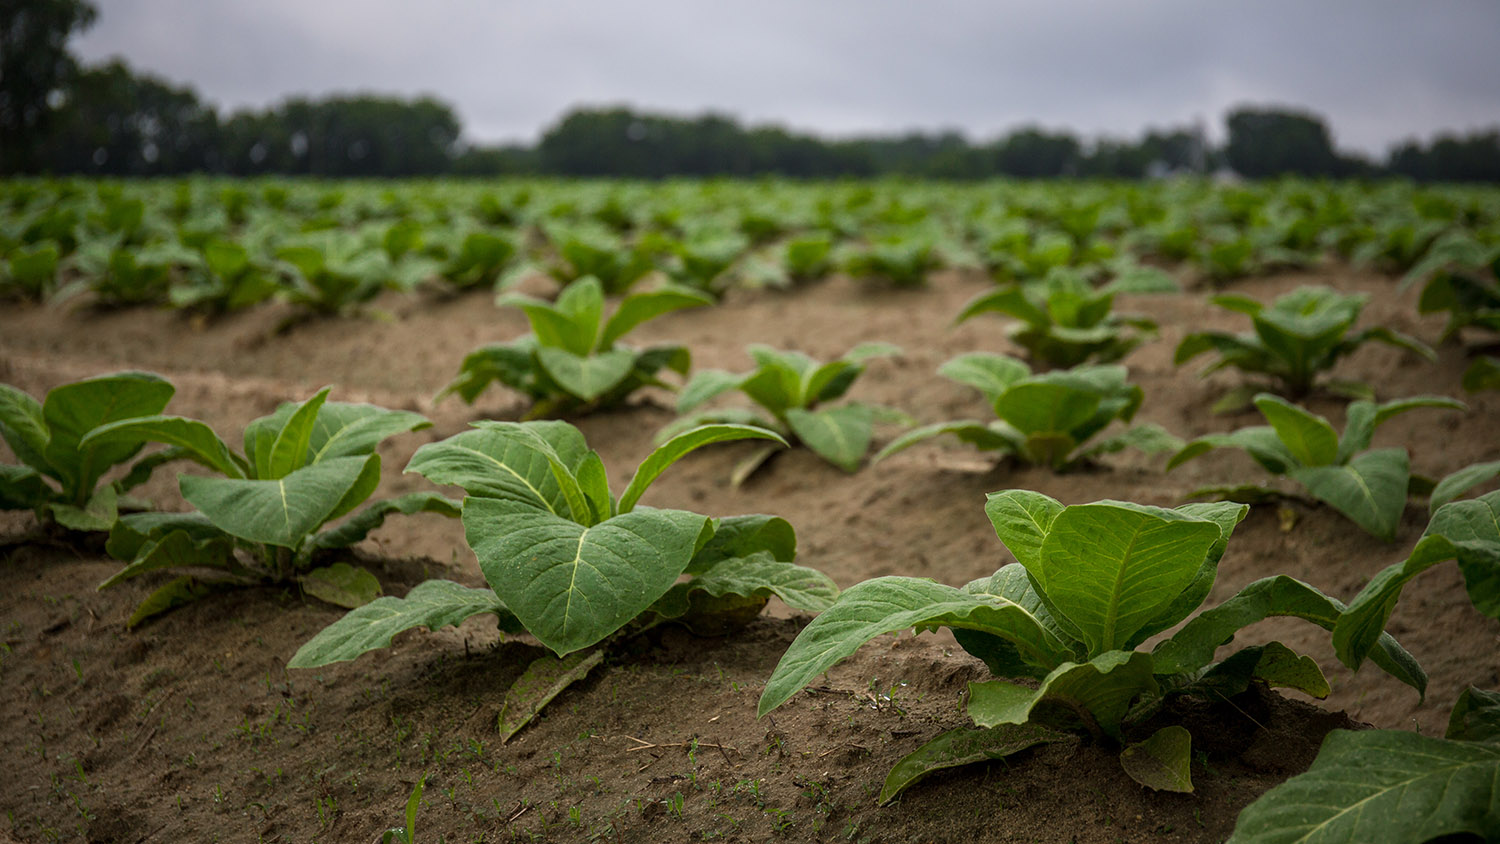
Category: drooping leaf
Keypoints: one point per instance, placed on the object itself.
(1475, 717)
(986, 437)
(888, 604)
(99, 513)
(963, 746)
(177, 548)
(678, 447)
(1381, 787)
(1461, 481)
(342, 585)
(642, 307)
(175, 593)
(1162, 762)
(571, 585)
(1096, 695)
(343, 429)
(1310, 439)
(741, 536)
(23, 428)
(544, 679)
(758, 575)
(198, 441)
(1370, 489)
(22, 488)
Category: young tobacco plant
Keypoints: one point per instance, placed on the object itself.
(59, 475)
(1369, 487)
(572, 361)
(1091, 583)
(1392, 786)
(575, 566)
(790, 387)
(1063, 320)
(1047, 419)
(1296, 340)
(260, 522)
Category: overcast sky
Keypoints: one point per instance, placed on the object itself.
(1378, 71)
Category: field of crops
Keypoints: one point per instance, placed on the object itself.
(433, 511)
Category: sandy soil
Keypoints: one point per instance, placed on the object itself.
(191, 729)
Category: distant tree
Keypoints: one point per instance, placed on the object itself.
(1278, 142)
(1034, 153)
(1450, 158)
(34, 65)
(114, 122)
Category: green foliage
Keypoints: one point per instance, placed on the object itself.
(333, 271)
(1460, 276)
(791, 388)
(1390, 786)
(1063, 320)
(29, 272)
(60, 467)
(228, 279)
(573, 362)
(903, 259)
(1296, 340)
(1046, 419)
(1091, 584)
(572, 564)
(594, 251)
(261, 519)
(1369, 487)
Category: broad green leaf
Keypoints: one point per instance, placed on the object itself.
(1022, 519)
(177, 549)
(705, 385)
(963, 746)
(888, 604)
(1310, 439)
(989, 373)
(99, 513)
(759, 575)
(357, 527)
(71, 411)
(1227, 515)
(23, 428)
(288, 451)
(433, 604)
(1273, 663)
(544, 679)
(134, 530)
(22, 488)
(587, 377)
(678, 447)
(1370, 489)
(1001, 656)
(343, 429)
(582, 302)
(1043, 407)
(593, 480)
(1259, 441)
(536, 438)
(1475, 717)
(641, 307)
(278, 512)
(1095, 695)
(1109, 569)
(840, 435)
(1162, 762)
(741, 536)
(490, 464)
(1011, 301)
(571, 585)
(198, 442)
(1460, 482)
(342, 585)
(1381, 787)
(1192, 647)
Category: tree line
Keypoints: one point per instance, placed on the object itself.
(60, 117)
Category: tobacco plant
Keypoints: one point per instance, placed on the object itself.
(59, 474)
(572, 361)
(1063, 320)
(1091, 583)
(790, 389)
(1047, 419)
(262, 520)
(1369, 487)
(1392, 786)
(1296, 340)
(573, 565)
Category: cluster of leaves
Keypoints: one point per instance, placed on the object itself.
(59, 476)
(1063, 320)
(1296, 340)
(1046, 419)
(791, 390)
(260, 519)
(572, 564)
(1091, 583)
(1370, 487)
(1461, 277)
(572, 361)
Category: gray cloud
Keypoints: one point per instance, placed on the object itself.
(1379, 71)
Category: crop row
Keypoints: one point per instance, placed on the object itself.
(217, 246)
